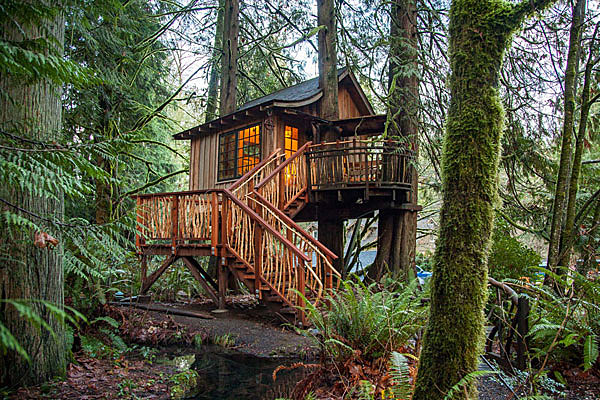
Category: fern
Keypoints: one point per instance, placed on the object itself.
(466, 381)
(401, 385)
(590, 352)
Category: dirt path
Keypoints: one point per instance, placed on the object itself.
(256, 330)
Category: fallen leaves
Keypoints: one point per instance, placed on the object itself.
(44, 240)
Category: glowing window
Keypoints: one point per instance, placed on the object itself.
(239, 152)
(291, 140)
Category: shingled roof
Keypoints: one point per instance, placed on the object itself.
(299, 95)
(302, 91)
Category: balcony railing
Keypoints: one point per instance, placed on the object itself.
(359, 163)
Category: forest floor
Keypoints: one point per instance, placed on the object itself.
(149, 368)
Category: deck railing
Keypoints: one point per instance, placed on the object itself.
(359, 163)
(190, 217)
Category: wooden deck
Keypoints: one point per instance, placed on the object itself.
(250, 226)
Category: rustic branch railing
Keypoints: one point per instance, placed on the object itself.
(178, 217)
(321, 271)
(287, 182)
(357, 163)
(243, 186)
(280, 263)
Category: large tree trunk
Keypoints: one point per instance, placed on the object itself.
(562, 180)
(32, 110)
(568, 233)
(331, 229)
(229, 68)
(397, 230)
(213, 80)
(480, 31)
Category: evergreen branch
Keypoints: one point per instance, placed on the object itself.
(152, 183)
(150, 141)
(522, 227)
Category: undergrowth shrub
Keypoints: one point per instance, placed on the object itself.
(367, 338)
(565, 326)
(361, 318)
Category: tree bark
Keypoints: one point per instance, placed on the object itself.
(213, 80)
(32, 110)
(480, 32)
(568, 235)
(562, 180)
(331, 230)
(397, 230)
(229, 67)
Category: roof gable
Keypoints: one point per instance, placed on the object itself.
(301, 94)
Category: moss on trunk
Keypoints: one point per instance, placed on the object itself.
(480, 32)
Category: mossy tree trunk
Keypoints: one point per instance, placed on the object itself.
(32, 110)
(568, 233)
(397, 230)
(562, 180)
(331, 228)
(480, 32)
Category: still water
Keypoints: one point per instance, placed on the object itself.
(229, 374)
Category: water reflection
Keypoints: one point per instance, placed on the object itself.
(228, 374)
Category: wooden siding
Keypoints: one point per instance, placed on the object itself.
(346, 104)
(205, 151)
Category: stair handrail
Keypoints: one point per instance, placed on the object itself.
(284, 164)
(265, 225)
(248, 176)
(319, 249)
(297, 227)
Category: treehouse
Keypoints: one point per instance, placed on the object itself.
(256, 173)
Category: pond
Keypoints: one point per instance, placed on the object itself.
(229, 374)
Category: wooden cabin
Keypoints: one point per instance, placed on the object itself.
(256, 173)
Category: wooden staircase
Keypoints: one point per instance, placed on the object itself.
(250, 228)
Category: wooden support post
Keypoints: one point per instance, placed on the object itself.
(308, 177)
(258, 259)
(144, 269)
(193, 267)
(222, 279)
(156, 274)
(214, 229)
(302, 289)
(522, 331)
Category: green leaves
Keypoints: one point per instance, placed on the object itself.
(590, 352)
(29, 310)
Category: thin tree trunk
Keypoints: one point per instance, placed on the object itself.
(397, 230)
(33, 110)
(558, 208)
(568, 236)
(331, 230)
(480, 32)
(229, 66)
(213, 81)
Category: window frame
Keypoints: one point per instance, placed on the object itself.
(236, 134)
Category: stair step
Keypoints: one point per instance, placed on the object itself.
(274, 298)
(288, 310)
(247, 276)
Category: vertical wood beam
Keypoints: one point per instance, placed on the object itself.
(214, 229)
(175, 224)
(222, 282)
